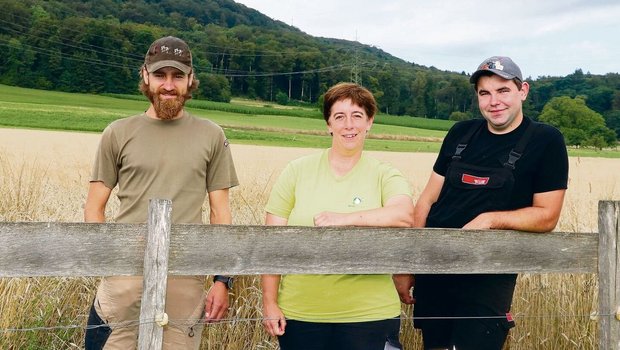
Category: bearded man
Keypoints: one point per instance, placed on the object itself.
(162, 153)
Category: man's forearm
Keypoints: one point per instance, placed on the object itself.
(420, 213)
(220, 218)
(542, 216)
(530, 219)
(94, 215)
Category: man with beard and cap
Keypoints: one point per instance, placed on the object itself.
(504, 171)
(162, 153)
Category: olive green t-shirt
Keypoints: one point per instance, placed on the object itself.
(180, 160)
(306, 187)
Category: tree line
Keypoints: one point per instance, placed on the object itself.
(97, 46)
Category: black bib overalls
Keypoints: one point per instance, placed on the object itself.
(468, 191)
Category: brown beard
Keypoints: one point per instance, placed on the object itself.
(169, 108)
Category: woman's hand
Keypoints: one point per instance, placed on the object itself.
(328, 218)
(273, 319)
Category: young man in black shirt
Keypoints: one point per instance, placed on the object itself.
(501, 172)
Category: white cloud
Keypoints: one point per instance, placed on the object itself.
(551, 37)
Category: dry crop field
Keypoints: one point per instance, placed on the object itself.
(44, 177)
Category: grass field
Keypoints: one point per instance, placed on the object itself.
(43, 177)
(244, 121)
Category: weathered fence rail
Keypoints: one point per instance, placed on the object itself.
(78, 249)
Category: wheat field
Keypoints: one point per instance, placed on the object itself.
(44, 177)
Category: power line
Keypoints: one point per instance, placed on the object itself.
(221, 71)
(50, 53)
(22, 30)
(226, 49)
(81, 46)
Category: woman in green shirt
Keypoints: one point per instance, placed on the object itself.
(340, 186)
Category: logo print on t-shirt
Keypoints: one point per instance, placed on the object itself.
(357, 201)
(474, 180)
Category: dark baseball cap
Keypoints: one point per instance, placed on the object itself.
(500, 65)
(169, 52)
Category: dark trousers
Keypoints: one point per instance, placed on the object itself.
(464, 334)
(469, 312)
(371, 335)
(97, 332)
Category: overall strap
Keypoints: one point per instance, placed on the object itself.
(516, 153)
(465, 139)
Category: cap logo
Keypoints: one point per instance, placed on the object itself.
(494, 65)
(498, 65)
(166, 49)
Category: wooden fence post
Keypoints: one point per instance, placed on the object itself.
(155, 276)
(608, 275)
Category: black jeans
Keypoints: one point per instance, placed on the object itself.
(97, 333)
(372, 335)
(466, 311)
(478, 334)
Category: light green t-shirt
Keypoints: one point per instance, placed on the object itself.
(306, 187)
(180, 160)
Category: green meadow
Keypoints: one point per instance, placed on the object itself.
(245, 121)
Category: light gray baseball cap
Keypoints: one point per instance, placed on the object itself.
(500, 65)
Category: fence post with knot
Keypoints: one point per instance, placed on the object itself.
(152, 310)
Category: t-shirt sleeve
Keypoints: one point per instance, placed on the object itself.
(282, 197)
(553, 172)
(393, 183)
(221, 171)
(105, 168)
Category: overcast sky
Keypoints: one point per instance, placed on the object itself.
(544, 37)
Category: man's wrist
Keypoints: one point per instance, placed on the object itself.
(227, 280)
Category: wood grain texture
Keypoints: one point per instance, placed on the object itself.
(77, 249)
(608, 278)
(151, 335)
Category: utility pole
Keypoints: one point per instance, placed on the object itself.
(355, 70)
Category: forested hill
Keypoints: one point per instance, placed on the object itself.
(98, 45)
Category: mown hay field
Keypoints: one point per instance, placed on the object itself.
(44, 177)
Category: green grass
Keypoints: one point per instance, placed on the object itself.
(257, 108)
(245, 121)
(49, 116)
(315, 141)
(249, 124)
(236, 108)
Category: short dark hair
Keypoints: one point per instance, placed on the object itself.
(356, 93)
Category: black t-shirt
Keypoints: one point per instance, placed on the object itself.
(543, 166)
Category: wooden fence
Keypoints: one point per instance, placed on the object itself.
(158, 248)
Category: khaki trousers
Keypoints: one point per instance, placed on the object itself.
(118, 304)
